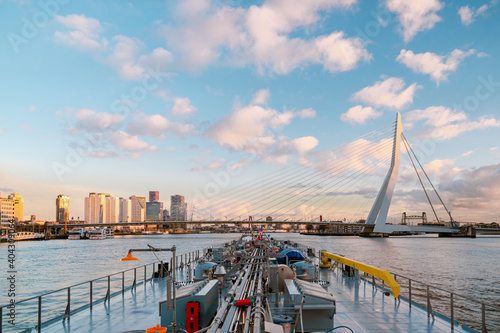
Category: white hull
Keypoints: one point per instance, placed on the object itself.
(27, 235)
(97, 237)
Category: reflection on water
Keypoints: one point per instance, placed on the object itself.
(465, 266)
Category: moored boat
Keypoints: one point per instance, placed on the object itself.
(97, 234)
(24, 236)
(76, 233)
(109, 232)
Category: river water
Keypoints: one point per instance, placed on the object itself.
(465, 266)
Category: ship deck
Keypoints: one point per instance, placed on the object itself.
(360, 306)
(364, 308)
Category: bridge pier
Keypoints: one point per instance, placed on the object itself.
(467, 231)
(368, 232)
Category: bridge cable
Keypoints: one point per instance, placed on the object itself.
(312, 186)
(425, 173)
(304, 173)
(315, 176)
(283, 171)
(421, 183)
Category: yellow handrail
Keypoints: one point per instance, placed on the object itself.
(381, 274)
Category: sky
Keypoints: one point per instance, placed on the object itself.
(127, 97)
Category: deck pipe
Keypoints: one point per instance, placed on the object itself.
(249, 308)
(246, 294)
(242, 288)
(258, 306)
(214, 326)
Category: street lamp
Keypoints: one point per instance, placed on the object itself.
(130, 257)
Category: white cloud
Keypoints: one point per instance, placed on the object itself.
(285, 148)
(438, 67)
(389, 93)
(415, 16)
(261, 97)
(359, 114)
(32, 108)
(144, 125)
(468, 15)
(245, 129)
(475, 189)
(84, 35)
(306, 113)
(465, 15)
(183, 107)
(252, 129)
(446, 123)
(453, 130)
(156, 126)
(441, 167)
(435, 116)
(130, 143)
(123, 54)
(373, 160)
(124, 57)
(467, 153)
(89, 120)
(261, 36)
(304, 145)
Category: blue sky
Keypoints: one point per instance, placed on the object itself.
(124, 98)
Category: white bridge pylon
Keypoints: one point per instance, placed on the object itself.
(380, 208)
(378, 213)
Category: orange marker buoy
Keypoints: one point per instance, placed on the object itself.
(156, 329)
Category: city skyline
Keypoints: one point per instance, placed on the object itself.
(176, 96)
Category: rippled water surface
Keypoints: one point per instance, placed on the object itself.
(465, 266)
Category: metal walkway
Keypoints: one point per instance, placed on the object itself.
(362, 308)
(367, 309)
(133, 311)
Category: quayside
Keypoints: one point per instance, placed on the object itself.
(253, 284)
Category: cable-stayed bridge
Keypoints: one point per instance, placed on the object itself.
(354, 181)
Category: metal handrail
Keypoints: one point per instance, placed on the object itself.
(189, 257)
(452, 294)
(428, 306)
(76, 285)
(67, 312)
(446, 291)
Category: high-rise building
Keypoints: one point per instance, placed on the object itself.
(125, 210)
(166, 215)
(154, 196)
(189, 211)
(177, 208)
(154, 211)
(138, 208)
(62, 208)
(95, 208)
(6, 214)
(18, 206)
(112, 209)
